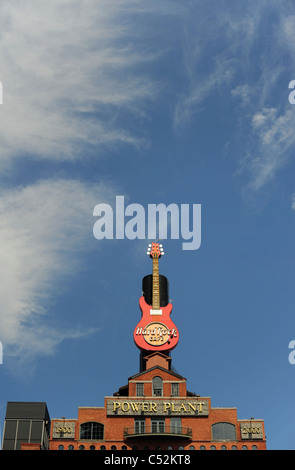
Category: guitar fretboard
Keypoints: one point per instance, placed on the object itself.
(156, 284)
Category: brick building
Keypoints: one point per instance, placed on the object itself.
(156, 411)
(153, 411)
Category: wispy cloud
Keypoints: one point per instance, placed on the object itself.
(45, 228)
(69, 70)
(215, 49)
(227, 53)
(275, 139)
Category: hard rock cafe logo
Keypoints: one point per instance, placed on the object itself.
(156, 333)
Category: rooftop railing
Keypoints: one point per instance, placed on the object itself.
(144, 430)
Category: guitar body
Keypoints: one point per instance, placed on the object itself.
(155, 331)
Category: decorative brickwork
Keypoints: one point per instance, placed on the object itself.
(186, 421)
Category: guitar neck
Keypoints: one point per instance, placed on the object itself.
(156, 284)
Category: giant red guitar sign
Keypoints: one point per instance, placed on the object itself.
(155, 331)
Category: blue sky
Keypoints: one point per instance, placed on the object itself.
(162, 102)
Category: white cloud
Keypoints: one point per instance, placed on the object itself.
(244, 93)
(44, 229)
(215, 51)
(68, 69)
(275, 139)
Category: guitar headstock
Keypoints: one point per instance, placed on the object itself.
(155, 250)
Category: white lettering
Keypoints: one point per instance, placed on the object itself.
(119, 217)
(185, 232)
(116, 460)
(292, 94)
(157, 223)
(138, 221)
(162, 210)
(103, 228)
(292, 353)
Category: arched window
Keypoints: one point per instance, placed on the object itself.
(81, 447)
(102, 447)
(61, 447)
(71, 447)
(223, 432)
(157, 387)
(113, 448)
(92, 448)
(202, 448)
(91, 430)
(124, 447)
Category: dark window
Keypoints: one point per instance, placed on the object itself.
(157, 387)
(36, 431)
(139, 426)
(91, 430)
(92, 448)
(61, 447)
(175, 390)
(158, 425)
(223, 432)
(10, 429)
(71, 447)
(139, 389)
(175, 425)
(23, 433)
